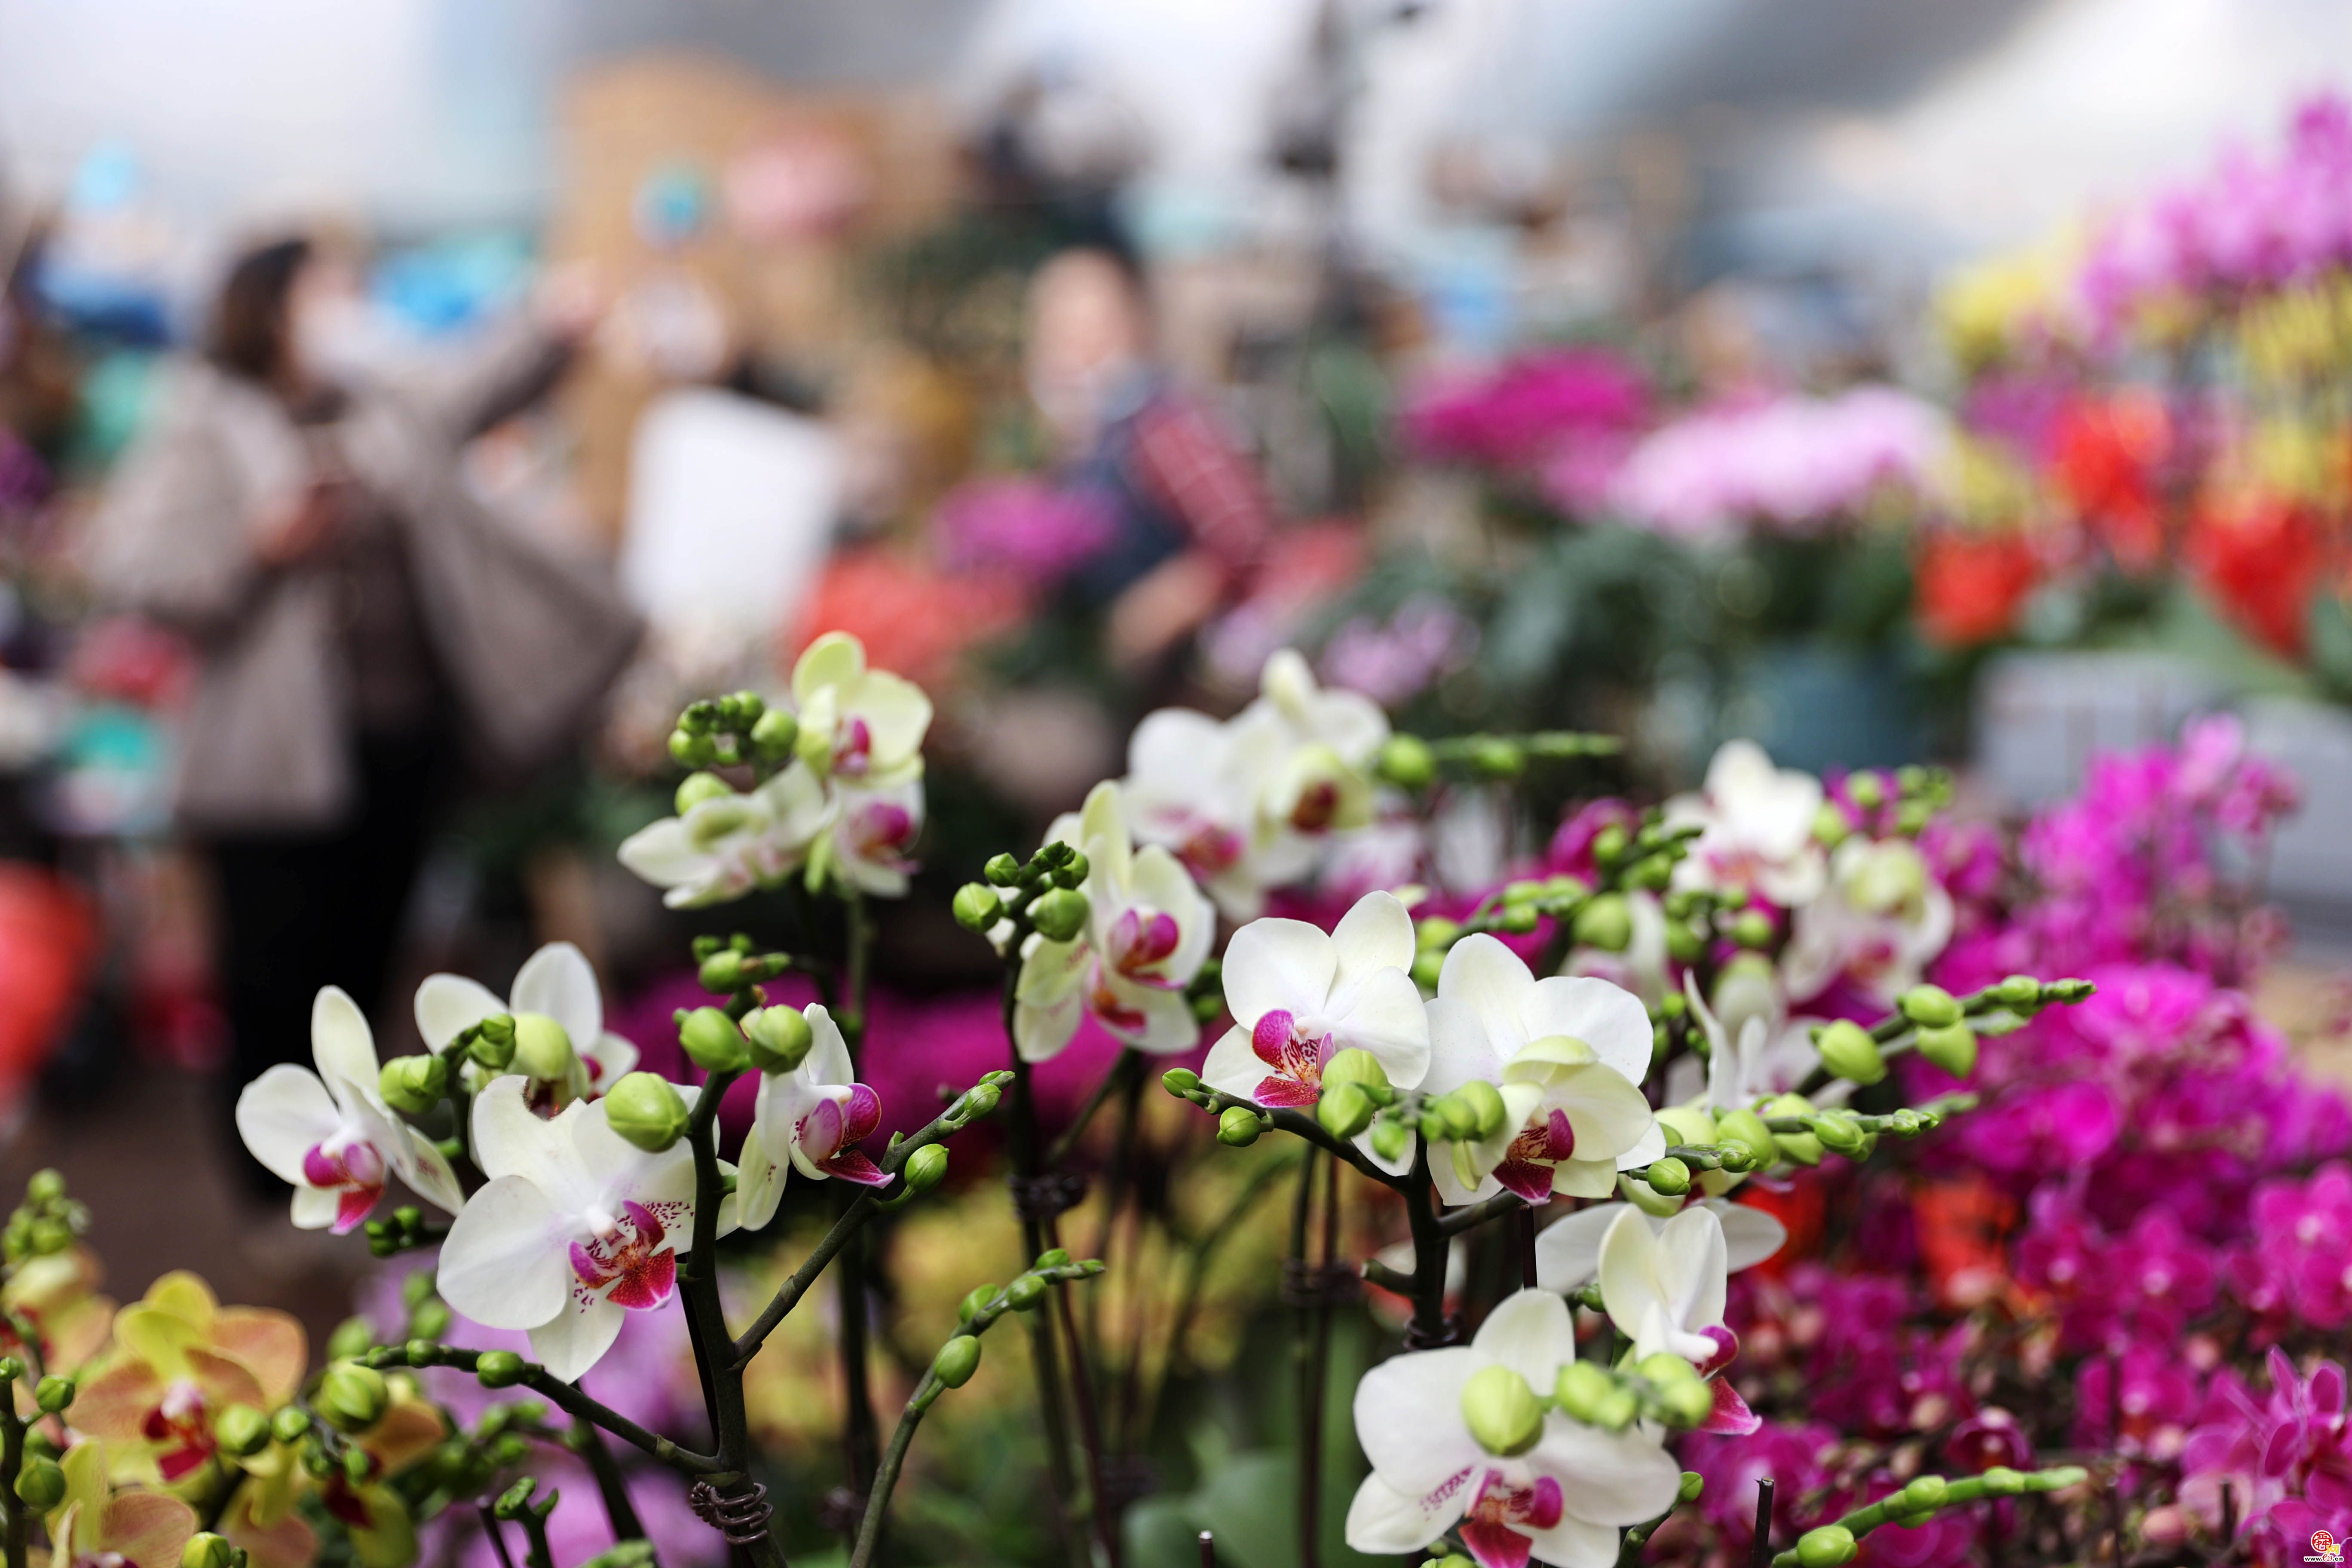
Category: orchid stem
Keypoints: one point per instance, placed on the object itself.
(1034, 1238)
(860, 1436)
(12, 1460)
(1429, 1327)
(612, 1487)
(566, 1398)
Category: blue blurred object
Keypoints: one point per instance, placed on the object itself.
(449, 285)
(672, 205)
(1822, 707)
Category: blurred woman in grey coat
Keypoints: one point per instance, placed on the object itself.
(364, 625)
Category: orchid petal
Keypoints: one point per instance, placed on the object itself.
(1529, 1332)
(1233, 1067)
(283, 1115)
(575, 1339)
(340, 1041)
(829, 1058)
(1409, 1416)
(1390, 1020)
(1278, 965)
(1491, 981)
(448, 1005)
(1606, 1018)
(1383, 1520)
(558, 981)
(502, 1264)
(1376, 934)
(1607, 1477)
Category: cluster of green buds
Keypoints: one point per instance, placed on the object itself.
(1041, 894)
(730, 732)
(47, 1222)
(465, 1463)
(925, 1166)
(491, 1043)
(402, 1229)
(1505, 1414)
(40, 1482)
(1899, 801)
(1830, 1545)
(1712, 1148)
(726, 966)
(1411, 763)
(1940, 1027)
(959, 1358)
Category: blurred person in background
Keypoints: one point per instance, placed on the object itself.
(1189, 517)
(362, 624)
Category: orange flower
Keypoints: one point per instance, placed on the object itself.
(94, 1524)
(179, 1359)
(2260, 556)
(1961, 1225)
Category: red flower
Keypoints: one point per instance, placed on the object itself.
(2105, 465)
(1970, 585)
(2260, 555)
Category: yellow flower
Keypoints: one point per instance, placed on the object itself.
(179, 1359)
(136, 1529)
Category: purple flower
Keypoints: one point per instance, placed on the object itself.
(1528, 411)
(1026, 526)
(1393, 662)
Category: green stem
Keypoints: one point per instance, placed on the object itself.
(12, 1460)
(886, 1480)
(1127, 1069)
(1430, 1246)
(860, 1436)
(1042, 1355)
(611, 1485)
(537, 1553)
(1470, 1217)
(1996, 1483)
(569, 1400)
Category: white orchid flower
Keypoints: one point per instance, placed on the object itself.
(811, 1118)
(730, 843)
(1568, 1055)
(1148, 932)
(556, 982)
(1299, 996)
(1771, 1053)
(1327, 740)
(1568, 1253)
(1663, 1286)
(864, 727)
(1877, 924)
(331, 1135)
(1192, 786)
(1757, 823)
(870, 837)
(1562, 1501)
(576, 1227)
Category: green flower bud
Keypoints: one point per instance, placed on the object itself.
(53, 1393)
(1025, 1293)
(1924, 1494)
(2003, 1482)
(1358, 1067)
(207, 1549)
(1605, 922)
(2019, 991)
(691, 750)
(1484, 1103)
(1618, 1411)
(1060, 914)
(543, 1050)
(1645, 1197)
(1501, 1411)
(1391, 1139)
(1001, 869)
(1931, 1006)
(430, 1320)
(1609, 844)
(646, 1109)
(776, 734)
(1427, 966)
(1682, 1394)
(1694, 1484)
(1848, 1052)
(352, 1337)
(291, 1425)
(1180, 1080)
(1436, 932)
(1951, 1046)
(1744, 1128)
(977, 907)
(1498, 758)
(722, 971)
(499, 1369)
(1867, 790)
(1406, 762)
(41, 1485)
(981, 1098)
(1518, 918)
(1238, 1128)
(1053, 1258)
(697, 788)
(353, 1397)
(1802, 1147)
(1690, 1124)
(1831, 1544)
(1583, 1387)
(779, 1038)
(925, 1168)
(1669, 1175)
(1838, 1132)
(713, 1042)
(1344, 1109)
(413, 1084)
(978, 1296)
(1752, 929)
(957, 1361)
(241, 1431)
(1683, 942)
